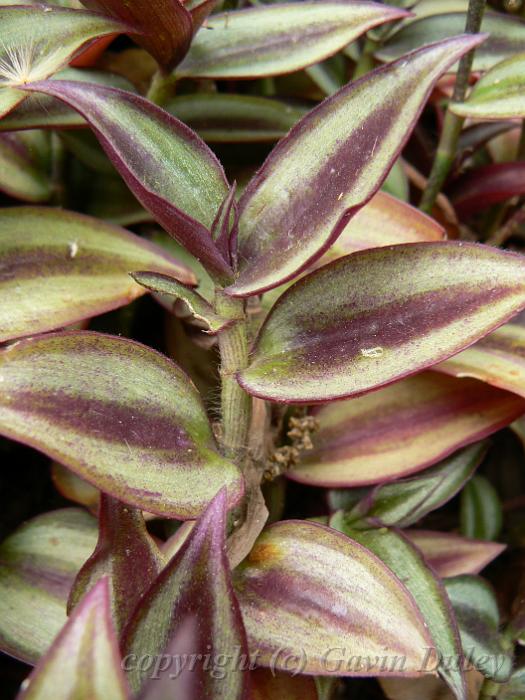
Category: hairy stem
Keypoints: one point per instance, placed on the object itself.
(448, 142)
(235, 402)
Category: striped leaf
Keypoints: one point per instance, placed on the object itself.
(498, 359)
(279, 38)
(476, 610)
(487, 185)
(125, 554)
(41, 111)
(35, 42)
(452, 555)
(163, 27)
(84, 660)
(481, 512)
(385, 434)
(58, 267)
(120, 415)
(358, 620)
(400, 555)
(330, 165)
(22, 174)
(39, 562)
(404, 502)
(499, 94)
(375, 316)
(506, 35)
(172, 173)
(221, 117)
(191, 609)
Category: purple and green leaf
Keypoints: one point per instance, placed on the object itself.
(378, 315)
(59, 267)
(38, 565)
(169, 169)
(22, 175)
(329, 166)
(487, 185)
(37, 41)
(191, 609)
(84, 660)
(120, 415)
(385, 434)
(281, 38)
(291, 608)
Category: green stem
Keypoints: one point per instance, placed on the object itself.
(521, 146)
(162, 87)
(366, 59)
(235, 402)
(446, 150)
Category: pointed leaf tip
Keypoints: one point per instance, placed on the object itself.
(330, 164)
(378, 315)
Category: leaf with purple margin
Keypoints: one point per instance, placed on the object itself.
(84, 660)
(378, 315)
(331, 163)
(126, 554)
(405, 560)
(59, 267)
(35, 42)
(291, 607)
(38, 565)
(385, 434)
(403, 502)
(198, 306)
(169, 169)
(120, 415)
(269, 40)
(191, 609)
(163, 27)
(452, 555)
(498, 359)
(506, 35)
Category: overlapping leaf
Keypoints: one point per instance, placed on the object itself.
(293, 610)
(172, 173)
(164, 27)
(37, 41)
(400, 555)
(452, 555)
(476, 611)
(84, 660)
(405, 501)
(375, 316)
(285, 37)
(58, 267)
(40, 111)
(118, 414)
(385, 434)
(498, 359)
(189, 610)
(499, 94)
(481, 512)
(38, 564)
(221, 117)
(125, 554)
(506, 35)
(330, 165)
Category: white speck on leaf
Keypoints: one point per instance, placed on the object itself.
(73, 249)
(372, 352)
